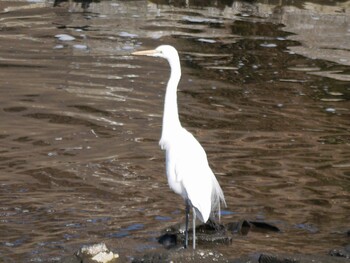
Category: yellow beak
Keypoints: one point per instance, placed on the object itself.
(145, 52)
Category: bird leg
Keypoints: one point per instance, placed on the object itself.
(194, 228)
(186, 224)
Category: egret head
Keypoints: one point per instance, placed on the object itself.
(167, 52)
(164, 51)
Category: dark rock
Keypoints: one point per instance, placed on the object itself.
(277, 259)
(243, 227)
(214, 238)
(210, 232)
(211, 227)
(182, 255)
(267, 258)
(341, 252)
(263, 227)
(168, 240)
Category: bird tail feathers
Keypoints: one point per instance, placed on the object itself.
(217, 199)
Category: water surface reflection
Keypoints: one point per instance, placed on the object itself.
(264, 89)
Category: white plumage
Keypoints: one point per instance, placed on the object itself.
(187, 168)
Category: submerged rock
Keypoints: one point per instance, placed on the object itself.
(341, 252)
(168, 240)
(212, 232)
(243, 227)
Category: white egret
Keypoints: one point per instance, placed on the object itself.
(187, 168)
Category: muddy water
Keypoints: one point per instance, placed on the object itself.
(265, 89)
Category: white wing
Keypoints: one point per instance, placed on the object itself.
(190, 176)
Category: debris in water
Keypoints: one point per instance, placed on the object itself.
(330, 110)
(79, 46)
(268, 45)
(206, 40)
(64, 37)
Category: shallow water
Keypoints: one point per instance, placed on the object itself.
(265, 89)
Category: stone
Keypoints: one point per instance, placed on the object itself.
(341, 252)
(97, 253)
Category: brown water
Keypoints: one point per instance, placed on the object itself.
(265, 89)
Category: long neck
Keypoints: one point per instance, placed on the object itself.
(171, 122)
